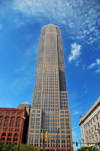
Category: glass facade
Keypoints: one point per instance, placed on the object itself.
(50, 110)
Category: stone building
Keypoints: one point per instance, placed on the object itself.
(50, 108)
(27, 105)
(90, 125)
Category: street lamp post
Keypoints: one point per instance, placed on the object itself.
(21, 132)
(44, 140)
(80, 143)
(57, 137)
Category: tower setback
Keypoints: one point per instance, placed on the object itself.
(50, 110)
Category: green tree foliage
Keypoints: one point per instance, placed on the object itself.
(24, 147)
(8, 146)
(1, 145)
(92, 148)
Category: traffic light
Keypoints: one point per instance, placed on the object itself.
(95, 144)
(46, 136)
(87, 143)
(76, 143)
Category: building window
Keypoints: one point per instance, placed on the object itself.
(11, 125)
(62, 136)
(13, 113)
(7, 117)
(8, 113)
(17, 130)
(17, 125)
(15, 139)
(18, 118)
(3, 134)
(1, 117)
(15, 135)
(10, 134)
(2, 112)
(12, 117)
(17, 121)
(5, 125)
(10, 129)
(19, 113)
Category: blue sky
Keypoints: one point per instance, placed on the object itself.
(20, 28)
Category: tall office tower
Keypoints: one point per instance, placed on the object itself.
(50, 111)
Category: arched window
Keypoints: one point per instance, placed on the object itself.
(15, 135)
(9, 134)
(1, 117)
(7, 117)
(12, 117)
(18, 118)
(3, 134)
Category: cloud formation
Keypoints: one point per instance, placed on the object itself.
(80, 19)
(97, 63)
(75, 53)
(76, 112)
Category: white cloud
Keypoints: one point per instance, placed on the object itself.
(97, 63)
(76, 112)
(77, 62)
(80, 18)
(75, 52)
(76, 104)
(74, 133)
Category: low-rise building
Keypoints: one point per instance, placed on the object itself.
(27, 105)
(90, 125)
(12, 125)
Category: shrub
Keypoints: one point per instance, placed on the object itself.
(92, 148)
(24, 147)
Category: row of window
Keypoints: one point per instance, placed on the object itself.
(11, 125)
(35, 114)
(7, 117)
(10, 134)
(15, 139)
(64, 115)
(10, 129)
(13, 113)
(50, 136)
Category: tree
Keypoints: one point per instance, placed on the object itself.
(24, 147)
(8, 146)
(1, 145)
(92, 148)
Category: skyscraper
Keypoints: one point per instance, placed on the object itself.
(50, 110)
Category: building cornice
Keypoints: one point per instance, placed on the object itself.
(13, 109)
(95, 105)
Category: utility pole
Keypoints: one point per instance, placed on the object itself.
(44, 140)
(57, 138)
(80, 143)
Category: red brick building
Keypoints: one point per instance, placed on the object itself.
(11, 123)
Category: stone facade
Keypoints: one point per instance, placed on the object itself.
(90, 125)
(27, 105)
(50, 107)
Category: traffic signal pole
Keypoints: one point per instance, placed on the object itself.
(44, 141)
